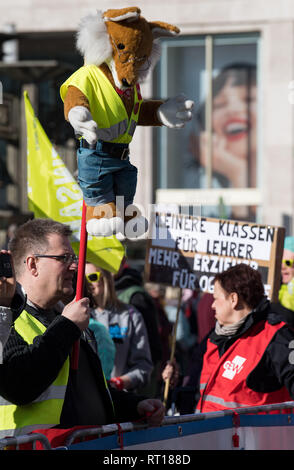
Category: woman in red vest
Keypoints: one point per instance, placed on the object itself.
(247, 359)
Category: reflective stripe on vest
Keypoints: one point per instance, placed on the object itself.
(45, 410)
(114, 131)
(106, 106)
(223, 379)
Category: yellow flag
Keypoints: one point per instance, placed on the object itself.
(54, 193)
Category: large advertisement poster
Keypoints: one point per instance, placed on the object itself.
(233, 131)
(226, 154)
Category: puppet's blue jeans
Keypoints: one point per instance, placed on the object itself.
(102, 177)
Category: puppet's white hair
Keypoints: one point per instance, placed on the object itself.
(92, 39)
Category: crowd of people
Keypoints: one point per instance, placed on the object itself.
(231, 347)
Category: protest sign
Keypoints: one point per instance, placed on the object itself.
(185, 251)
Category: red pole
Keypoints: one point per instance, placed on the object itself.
(80, 281)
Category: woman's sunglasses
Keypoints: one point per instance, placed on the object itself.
(94, 277)
(288, 262)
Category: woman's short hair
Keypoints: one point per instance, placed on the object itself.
(243, 280)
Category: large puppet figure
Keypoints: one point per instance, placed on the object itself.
(103, 103)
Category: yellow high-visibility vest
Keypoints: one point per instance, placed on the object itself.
(106, 106)
(45, 410)
(286, 295)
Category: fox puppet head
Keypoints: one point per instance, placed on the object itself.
(125, 41)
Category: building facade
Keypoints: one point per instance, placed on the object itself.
(234, 58)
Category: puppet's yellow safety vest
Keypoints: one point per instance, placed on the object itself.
(44, 411)
(106, 106)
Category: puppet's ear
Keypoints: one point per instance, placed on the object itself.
(122, 14)
(161, 29)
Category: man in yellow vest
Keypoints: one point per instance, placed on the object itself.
(38, 387)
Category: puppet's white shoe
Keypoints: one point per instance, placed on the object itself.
(116, 224)
(120, 236)
(136, 227)
(104, 227)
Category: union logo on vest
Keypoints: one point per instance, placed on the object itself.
(233, 367)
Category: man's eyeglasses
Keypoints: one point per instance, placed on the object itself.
(288, 262)
(67, 258)
(94, 277)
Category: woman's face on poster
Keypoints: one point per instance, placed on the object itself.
(234, 118)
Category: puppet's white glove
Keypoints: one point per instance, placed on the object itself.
(82, 121)
(175, 112)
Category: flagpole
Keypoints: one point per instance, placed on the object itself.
(80, 280)
(173, 346)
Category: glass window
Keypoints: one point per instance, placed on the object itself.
(218, 148)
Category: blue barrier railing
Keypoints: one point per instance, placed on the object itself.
(176, 429)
